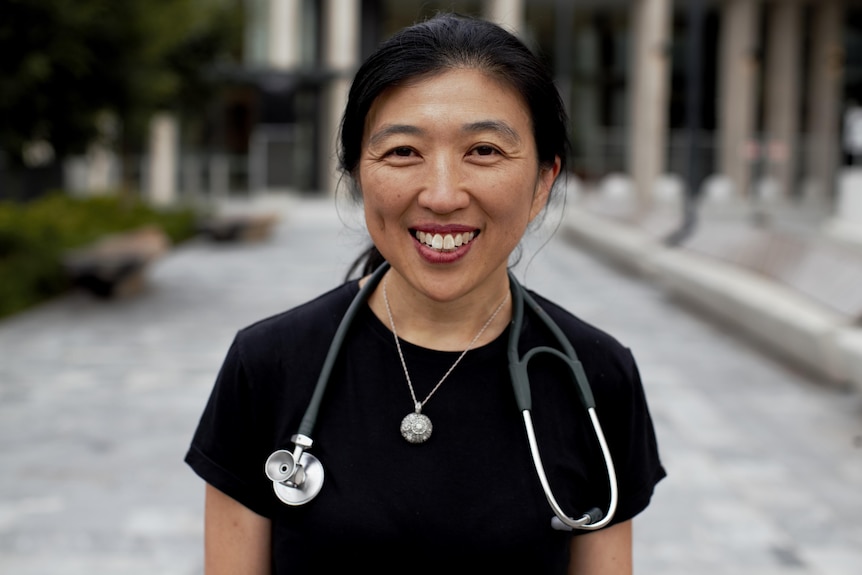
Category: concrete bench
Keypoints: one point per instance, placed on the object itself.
(828, 273)
(799, 297)
(115, 265)
(624, 245)
(787, 322)
(239, 227)
(798, 294)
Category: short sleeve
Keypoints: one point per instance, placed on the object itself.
(632, 440)
(229, 447)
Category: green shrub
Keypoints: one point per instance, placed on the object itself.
(34, 236)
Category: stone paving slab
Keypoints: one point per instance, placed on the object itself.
(98, 401)
(765, 463)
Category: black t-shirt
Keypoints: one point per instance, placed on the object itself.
(467, 500)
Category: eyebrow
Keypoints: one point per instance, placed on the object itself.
(392, 130)
(501, 128)
(496, 126)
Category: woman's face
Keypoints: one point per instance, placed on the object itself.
(450, 179)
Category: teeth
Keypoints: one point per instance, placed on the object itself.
(444, 242)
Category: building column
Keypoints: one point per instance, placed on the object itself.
(342, 34)
(648, 96)
(782, 95)
(161, 182)
(738, 73)
(824, 89)
(507, 13)
(586, 101)
(284, 33)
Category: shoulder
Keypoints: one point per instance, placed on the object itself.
(291, 331)
(585, 337)
(610, 367)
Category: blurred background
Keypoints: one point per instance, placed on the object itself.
(715, 161)
(185, 97)
(745, 102)
(684, 113)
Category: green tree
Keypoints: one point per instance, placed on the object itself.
(67, 63)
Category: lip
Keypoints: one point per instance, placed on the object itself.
(438, 257)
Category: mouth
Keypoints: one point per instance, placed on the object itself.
(444, 242)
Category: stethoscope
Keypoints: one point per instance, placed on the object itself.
(297, 477)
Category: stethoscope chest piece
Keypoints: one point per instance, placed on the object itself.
(295, 483)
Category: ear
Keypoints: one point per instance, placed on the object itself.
(547, 177)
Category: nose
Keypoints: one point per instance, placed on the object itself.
(443, 188)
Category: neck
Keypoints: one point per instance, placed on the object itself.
(443, 326)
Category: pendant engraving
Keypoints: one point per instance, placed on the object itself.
(416, 428)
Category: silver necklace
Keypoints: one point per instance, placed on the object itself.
(416, 427)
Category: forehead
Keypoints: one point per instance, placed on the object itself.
(458, 95)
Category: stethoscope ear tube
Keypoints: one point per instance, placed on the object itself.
(518, 370)
(592, 519)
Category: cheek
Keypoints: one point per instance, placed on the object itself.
(382, 200)
(513, 199)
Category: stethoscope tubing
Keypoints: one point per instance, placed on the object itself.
(306, 426)
(297, 477)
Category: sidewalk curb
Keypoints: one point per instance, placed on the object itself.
(799, 329)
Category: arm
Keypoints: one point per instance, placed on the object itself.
(604, 552)
(236, 539)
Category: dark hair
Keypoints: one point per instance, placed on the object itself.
(446, 42)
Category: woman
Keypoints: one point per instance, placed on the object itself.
(453, 137)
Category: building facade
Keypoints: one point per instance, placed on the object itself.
(761, 94)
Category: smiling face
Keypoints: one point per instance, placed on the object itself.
(450, 179)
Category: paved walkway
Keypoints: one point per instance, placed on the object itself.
(98, 401)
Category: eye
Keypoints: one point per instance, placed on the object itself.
(485, 150)
(402, 152)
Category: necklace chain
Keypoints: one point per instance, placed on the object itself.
(420, 404)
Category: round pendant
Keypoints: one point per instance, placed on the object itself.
(416, 428)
